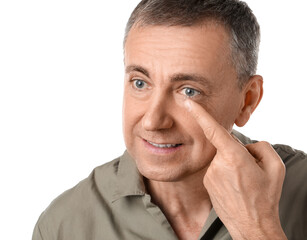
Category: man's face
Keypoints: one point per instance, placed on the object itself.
(164, 66)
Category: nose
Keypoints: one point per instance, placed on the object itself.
(157, 115)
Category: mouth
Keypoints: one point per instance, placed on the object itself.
(165, 148)
(164, 145)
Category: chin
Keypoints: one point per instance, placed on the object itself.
(163, 173)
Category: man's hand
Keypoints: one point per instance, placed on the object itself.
(244, 182)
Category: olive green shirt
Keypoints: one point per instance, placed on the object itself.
(112, 204)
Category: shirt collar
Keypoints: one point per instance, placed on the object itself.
(210, 220)
(129, 180)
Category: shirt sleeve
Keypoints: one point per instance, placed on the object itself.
(37, 235)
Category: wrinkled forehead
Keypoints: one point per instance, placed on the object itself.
(201, 49)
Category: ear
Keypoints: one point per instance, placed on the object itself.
(252, 95)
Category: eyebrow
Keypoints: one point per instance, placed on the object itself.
(191, 77)
(137, 68)
(177, 77)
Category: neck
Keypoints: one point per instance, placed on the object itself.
(184, 202)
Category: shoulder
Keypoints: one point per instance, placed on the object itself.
(78, 205)
(292, 205)
(86, 191)
(291, 157)
(296, 167)
(296, 174)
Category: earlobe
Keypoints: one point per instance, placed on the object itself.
(252, 95)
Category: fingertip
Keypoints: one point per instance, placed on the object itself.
(188, 105)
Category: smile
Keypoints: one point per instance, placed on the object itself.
(163, 145)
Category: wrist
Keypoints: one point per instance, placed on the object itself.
(267, 231)
(272, 231)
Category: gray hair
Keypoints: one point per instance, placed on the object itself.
(237, 18)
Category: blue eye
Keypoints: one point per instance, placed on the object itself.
(140, 84)
(190, 92)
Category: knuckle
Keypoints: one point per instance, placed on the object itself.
(232, 156)
(279, 166)
(282, 167)
(232, 153)
(209, 133)
(213, 168)
(207, 177)
(207, 182)
(197, 116)
(265, 144)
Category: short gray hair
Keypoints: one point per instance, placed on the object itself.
(237, 18)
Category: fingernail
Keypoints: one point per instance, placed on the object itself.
(188, 105)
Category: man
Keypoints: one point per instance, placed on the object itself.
(189, 77)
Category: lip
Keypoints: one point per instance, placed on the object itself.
(161, 150)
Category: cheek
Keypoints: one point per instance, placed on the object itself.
(132, 112)
(202, 151)
(225, 111)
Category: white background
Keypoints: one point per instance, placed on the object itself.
(61, 74)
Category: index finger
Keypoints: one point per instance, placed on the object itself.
(214, 132)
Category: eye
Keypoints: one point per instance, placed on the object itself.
(190, 92)
(139, 84)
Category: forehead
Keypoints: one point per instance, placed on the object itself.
(202, 49)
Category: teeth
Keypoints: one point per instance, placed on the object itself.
(162, 145)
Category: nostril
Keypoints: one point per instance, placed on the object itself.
(157, 120)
